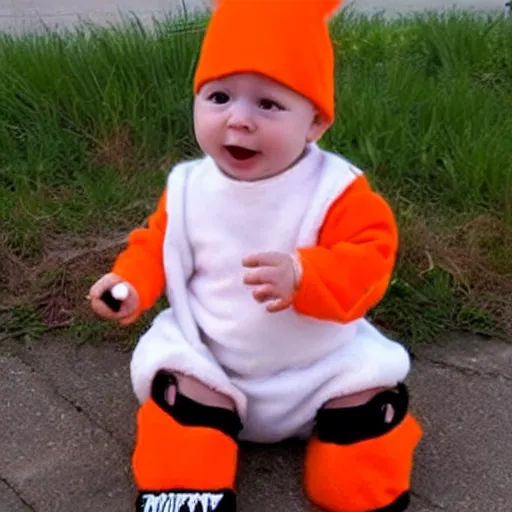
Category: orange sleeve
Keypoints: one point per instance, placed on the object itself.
(349, 270)
(141, 263)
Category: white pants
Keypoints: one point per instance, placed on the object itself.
(278, 406)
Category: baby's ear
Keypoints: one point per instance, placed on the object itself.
(318, 127)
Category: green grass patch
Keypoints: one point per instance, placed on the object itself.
(91, 120)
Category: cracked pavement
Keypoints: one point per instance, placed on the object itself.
(67, 423)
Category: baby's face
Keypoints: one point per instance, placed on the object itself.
(253, 127)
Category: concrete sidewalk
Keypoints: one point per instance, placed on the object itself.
(67, 429)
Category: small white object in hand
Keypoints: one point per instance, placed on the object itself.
(120, 291)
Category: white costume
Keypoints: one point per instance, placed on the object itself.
(279, 368)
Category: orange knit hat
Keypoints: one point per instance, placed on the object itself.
(286, 40)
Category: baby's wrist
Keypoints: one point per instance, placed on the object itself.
(297, 270)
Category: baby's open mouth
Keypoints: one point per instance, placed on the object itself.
(240, 153)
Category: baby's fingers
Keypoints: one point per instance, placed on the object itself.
(103, 284)
(128, 320)
(278, 305)
(264, 293)
(260, 275)
(101, 309)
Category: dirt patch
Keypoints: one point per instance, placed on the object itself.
(116, 149)
(14, 271)
(474, 254)
(56, 287)
(66, 276)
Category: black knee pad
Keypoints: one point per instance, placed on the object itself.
(354, 424)
(191, 413)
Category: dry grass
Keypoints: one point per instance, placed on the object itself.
(473, 254)
(52, 293)
(116, 149)
(479, 281)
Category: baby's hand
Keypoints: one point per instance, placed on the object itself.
(128, 312)
(275, 277)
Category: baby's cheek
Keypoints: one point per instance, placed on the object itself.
(280, 142)
(204, 135)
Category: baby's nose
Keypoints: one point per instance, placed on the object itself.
(241, 119)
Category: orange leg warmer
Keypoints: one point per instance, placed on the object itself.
(185, 454)
(358, 460)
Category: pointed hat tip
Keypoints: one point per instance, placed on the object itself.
(325, 7)
(329, 6)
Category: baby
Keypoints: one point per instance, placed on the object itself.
(271, 251)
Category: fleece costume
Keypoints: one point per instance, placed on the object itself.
(279, 368)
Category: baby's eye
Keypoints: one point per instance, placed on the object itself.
(267, 104)
(218, 97)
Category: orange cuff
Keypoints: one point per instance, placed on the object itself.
(186, 445)
(358, 460)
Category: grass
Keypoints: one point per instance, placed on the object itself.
(91, 120)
